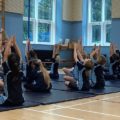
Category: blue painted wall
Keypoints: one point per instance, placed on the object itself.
(14, 26)
(64, 29)
(115, 33)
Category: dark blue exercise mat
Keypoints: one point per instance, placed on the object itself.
(106, 90)
(55, 96)
(25, 105)
(60, 86)
(113, 83)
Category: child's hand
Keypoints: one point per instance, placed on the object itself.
(39, 61)
(13, 40)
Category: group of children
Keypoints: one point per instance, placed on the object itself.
(86, 66)
(87, 73)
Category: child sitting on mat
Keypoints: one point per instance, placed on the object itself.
(55, 63)
(12, 75)
(31, 55)
(40, 79)
(37, 77)
(114, 64)
(98, 81)
(114, 60)
(78, 76)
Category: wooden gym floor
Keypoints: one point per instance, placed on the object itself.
(103, 107)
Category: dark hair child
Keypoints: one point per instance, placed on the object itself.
(39, 78)
(55, 63)
(13, 75)
(99, 81)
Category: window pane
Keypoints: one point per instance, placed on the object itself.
(45, 9)
(96, 33)
(108, 5)
(44, 32)
(25, 8)
(32, 8)
(25, 28)
(108, 33)
(96, 8)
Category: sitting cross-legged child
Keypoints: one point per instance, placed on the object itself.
(78, 76)
(39, 79)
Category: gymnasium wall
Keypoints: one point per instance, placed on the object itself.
(65, 28)
(72, 19)
(115, 36)
(14, 6)
(72, 10)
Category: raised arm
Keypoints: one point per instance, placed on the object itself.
(7, 50)
(77, 54)
(98, 50)
(56, 50)
(17, 50)
(113, 49)
(80, 46)
(80, 56)
(28, 47)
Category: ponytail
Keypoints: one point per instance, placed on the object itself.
(45, 74)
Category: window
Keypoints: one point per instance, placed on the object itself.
(42, 21)
(99, 22)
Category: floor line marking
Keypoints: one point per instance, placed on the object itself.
(53, 114)
(107, 114)
(80, 104)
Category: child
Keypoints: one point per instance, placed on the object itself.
(1, 84)
(40, 80)
(98, 81)
(31, 56)
(114, 68)
(114, 60)
(78, 77)
(12, 73)
(55, 59)
(99, 72)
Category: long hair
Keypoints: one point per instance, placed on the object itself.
(45, 74)
(14, 63)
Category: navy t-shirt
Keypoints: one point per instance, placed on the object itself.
(99, 72)
(13, 85)
(36, 80)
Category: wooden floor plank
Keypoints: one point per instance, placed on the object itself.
(102, 107)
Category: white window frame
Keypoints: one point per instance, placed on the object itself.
(35, 25)
(102, 23)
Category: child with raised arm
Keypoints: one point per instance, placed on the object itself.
(78, 77)
(40, 81)
(37, 77)
(98, 81)
(114, 60)
(12, 75)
